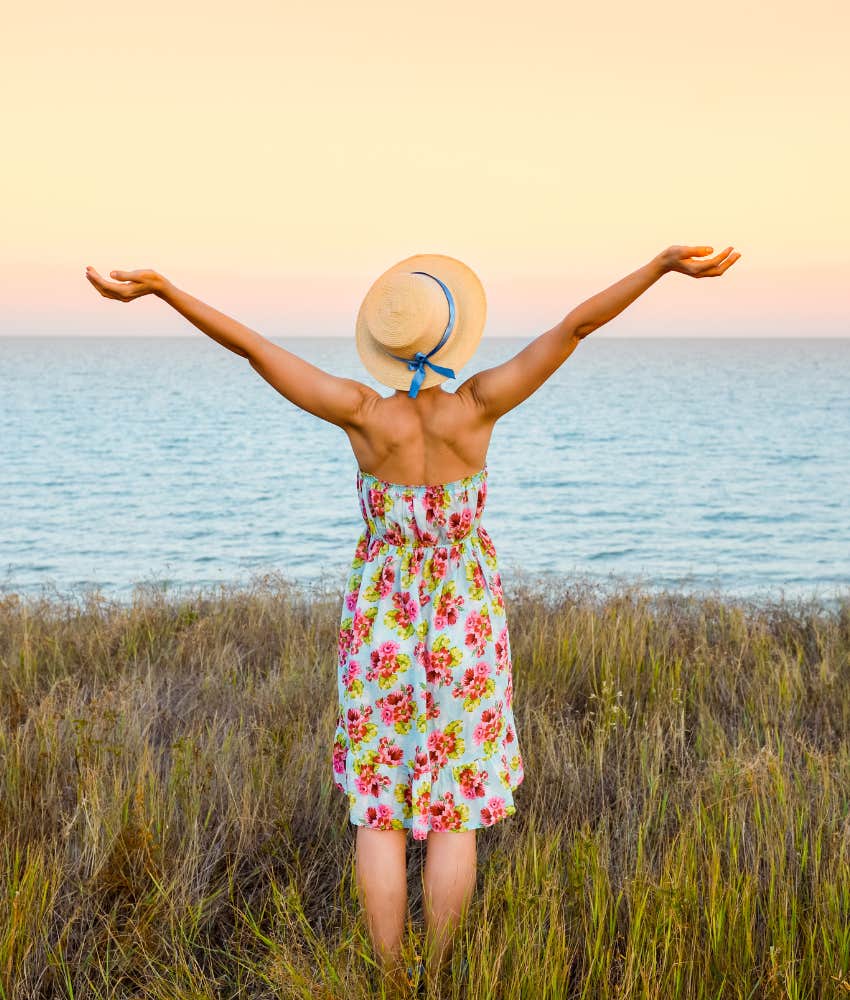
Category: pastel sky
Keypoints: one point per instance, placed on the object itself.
(274, 158)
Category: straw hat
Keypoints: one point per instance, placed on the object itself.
(414, 330)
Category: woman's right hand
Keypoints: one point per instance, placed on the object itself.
(686, 260)
(129, 284)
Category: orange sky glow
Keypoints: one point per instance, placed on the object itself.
(274, 158)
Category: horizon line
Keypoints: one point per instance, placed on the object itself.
(495, 336)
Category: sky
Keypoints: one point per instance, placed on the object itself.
(274, 159)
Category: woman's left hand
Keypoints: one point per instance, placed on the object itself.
(684, 260)
(130, 284)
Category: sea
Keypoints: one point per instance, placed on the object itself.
(704, 465)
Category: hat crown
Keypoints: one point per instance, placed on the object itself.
(406, 312)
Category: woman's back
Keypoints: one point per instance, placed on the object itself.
(438, 437)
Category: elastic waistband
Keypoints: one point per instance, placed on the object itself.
(411, 543)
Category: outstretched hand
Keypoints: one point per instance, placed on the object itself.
(684, 260)
(129, 284)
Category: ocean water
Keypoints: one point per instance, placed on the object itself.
(699, 464)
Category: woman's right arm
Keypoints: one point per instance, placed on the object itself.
(340, 401)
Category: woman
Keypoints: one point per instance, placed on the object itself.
(425, 738)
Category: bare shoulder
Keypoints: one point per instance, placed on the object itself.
(440, 427)
(471, 399)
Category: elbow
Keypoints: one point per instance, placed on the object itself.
(580, 332)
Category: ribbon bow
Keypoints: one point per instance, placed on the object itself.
(417, 363)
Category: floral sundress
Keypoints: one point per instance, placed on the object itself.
(425, 737)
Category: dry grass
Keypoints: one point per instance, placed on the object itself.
(169, 829)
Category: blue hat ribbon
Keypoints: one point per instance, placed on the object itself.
(417, 363)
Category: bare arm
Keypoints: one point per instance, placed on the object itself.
(499, 389)
(337, 400)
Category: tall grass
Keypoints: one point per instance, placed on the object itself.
(169, 828)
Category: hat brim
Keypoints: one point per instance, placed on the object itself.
(470, 316)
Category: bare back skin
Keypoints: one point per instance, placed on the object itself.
(437, 437)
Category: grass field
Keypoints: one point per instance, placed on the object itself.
(169, 827)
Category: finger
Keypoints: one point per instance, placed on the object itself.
(712, 262)
(720, 268)
(697, 251)
(730, 260)
(718, 257)
(125, 275)
(98, 279)
(111, 289)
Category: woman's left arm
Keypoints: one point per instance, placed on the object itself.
(499, 389)
(605, 305)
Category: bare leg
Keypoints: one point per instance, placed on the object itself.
(382, 887)
(448, 883)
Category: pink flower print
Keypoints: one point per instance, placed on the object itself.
(362, 549)
(446, 609)
(486, 542)
(472, 782)
(502, 650)
(437, 748)
(375, 548)
(472, 686)
(387, 578)
(393, 533)
(488, 729)
(439, 562)
(420, 764)
(384, 661)
(417, 557)
(379, 817)
(422, 538)
(478, 580)
(378, 501)
(357, 723)
(389, 752)
(478, 631)
(509, 692)
(344, 642)
(482, 497)
(442, 744)
(361, 628)
(350, 675)
(438, 667)
(434, 502)
(458, 526)
(423, 805)
(496, 587)
(432, 707)
(351, 600)
(424, 596)
(493, 811)
(397, 706)
(407, 607)
(443, 813)
(369, 782)
(340, 752)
